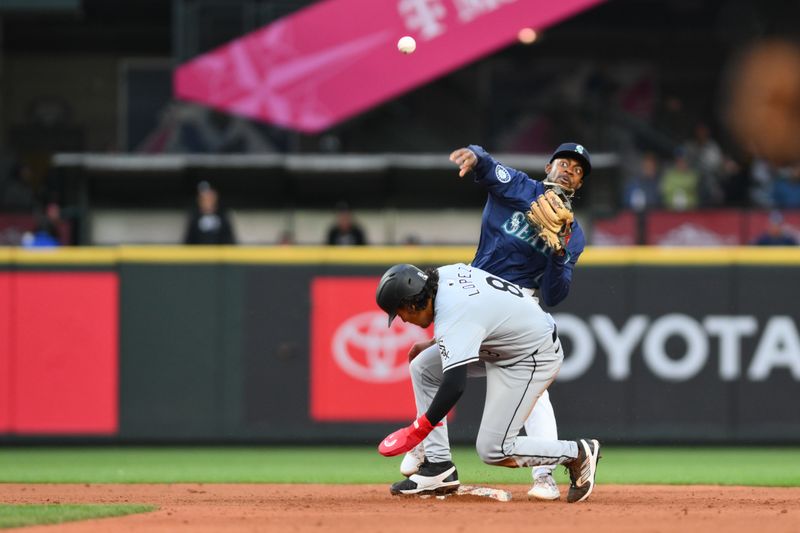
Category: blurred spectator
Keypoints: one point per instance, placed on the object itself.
(51, 221)
(208, 223)
(46, 233)
(679, 184)
(640, 192)
(286, 238)
(735, 183)
(786, 188)
(705, 156)
(762, 176)
(776, 234)
(345, 231)
(39, 238)
(411, 240)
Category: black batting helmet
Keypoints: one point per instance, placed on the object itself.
(400, 281)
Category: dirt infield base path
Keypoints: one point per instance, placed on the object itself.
(370, 509)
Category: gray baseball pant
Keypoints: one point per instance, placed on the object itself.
(511, 393)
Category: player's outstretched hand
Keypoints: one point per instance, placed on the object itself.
(465, 159)
(405, 439)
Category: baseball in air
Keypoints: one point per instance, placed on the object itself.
(407, 44)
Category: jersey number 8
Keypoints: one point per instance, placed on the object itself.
(503, 285)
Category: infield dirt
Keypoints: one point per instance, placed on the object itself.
(370, 509)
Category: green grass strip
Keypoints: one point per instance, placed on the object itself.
(656, 465)
(30, 515)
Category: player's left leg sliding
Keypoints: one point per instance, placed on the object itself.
(435, 472)
(413, 460)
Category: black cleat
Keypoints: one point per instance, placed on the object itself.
(582, 470)
(432, 478)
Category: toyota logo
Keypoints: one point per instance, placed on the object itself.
(369, 351)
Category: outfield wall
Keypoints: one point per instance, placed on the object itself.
(162, 344)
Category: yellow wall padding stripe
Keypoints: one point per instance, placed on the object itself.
(380, 255)
(59, 256)
(356, 255)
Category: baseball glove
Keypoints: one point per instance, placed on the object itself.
(551, 218)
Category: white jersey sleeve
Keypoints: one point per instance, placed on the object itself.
(479, 316)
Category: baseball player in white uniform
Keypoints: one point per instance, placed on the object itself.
(484, 325)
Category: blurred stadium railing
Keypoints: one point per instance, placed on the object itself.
(139, 198)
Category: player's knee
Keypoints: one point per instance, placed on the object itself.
(490, 450)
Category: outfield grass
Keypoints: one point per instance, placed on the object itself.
(28, 515)
(656, 465)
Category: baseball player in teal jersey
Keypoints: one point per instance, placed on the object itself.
(485, 324)
(509, 248)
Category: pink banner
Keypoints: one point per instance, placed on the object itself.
(337, 58)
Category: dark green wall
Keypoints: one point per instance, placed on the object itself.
(218, 350)
(179, 339)
(221, 352)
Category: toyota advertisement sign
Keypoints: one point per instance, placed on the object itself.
(359, 366)
(653, 353)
